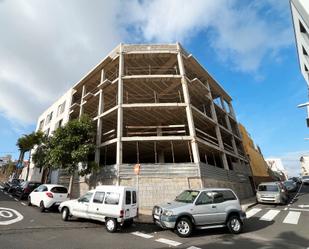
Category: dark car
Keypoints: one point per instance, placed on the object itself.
(8, 186)
(290, 185)
(297, 180)
(23, 191)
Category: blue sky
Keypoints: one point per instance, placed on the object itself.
(248, 46)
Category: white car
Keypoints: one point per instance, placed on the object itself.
(114, 205)
(47, 196)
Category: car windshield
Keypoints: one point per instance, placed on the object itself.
(187, 196)
(288, 183)
(270, 188)
(305, 177)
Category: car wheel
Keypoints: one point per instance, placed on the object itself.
(111, 225)
(234, 224)
(128, 223)
(42, 208)
(29, 201)
(184, 227)
(65, 213)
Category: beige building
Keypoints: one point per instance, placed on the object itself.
(156, 106)
(260, 169)
(304, 164)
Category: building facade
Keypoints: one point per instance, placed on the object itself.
(276, 165)
(260, 170)
(53, 117)
(300, 16)
(156, 106)
(304, 164)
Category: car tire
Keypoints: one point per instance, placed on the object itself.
(234, 224)
(65, 213)
(184, 227)
(111, 225)
(29, 201)
(42, 208)
(128, 223)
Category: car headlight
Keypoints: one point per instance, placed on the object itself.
(167, 213)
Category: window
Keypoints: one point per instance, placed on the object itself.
(302, 28)
(134, 197)
(112, 198)
(61, 108)
(86, 197)
(47, 131)
(228, 195)
(218, 197)
(98, 197)
(41, 124)
(203, 199)
(49, 118)
(187, 196)
(128, 197)
(59, 190)
(270, 188)
(58, 124)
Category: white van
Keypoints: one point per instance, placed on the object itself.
(114, 205)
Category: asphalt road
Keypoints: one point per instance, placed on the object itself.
(269, 226)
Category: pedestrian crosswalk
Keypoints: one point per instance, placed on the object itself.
(285, 216)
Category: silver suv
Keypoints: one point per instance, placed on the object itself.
(202, 209)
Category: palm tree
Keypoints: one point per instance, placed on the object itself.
(26, 143)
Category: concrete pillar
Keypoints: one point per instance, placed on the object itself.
(81, 109)
(102, 75)
(120, 113)
(99, 128)
(195, 151)
(218, 133)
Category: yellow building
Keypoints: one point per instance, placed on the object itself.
(260, 170)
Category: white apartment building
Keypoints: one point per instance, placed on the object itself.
(5, 160)
(52, 118)
(300, 15)
(276, 165)
(304, 164)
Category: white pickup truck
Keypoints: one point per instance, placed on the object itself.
(114, 205)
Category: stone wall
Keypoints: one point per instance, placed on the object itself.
(242, 189)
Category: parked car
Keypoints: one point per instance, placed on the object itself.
(47, 196)
(305, 180)
(290, 185)
(201, 209)
(9, 184)
(297, 180)
(25, 188)
(271, 192)
(114, 205)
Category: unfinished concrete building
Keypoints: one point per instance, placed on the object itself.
(156, 106)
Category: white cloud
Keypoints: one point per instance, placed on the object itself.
(238, 33)
(291, 161)
(49, 45)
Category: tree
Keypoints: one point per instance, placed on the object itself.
(72, 145)
(26, 143)
(41, 154)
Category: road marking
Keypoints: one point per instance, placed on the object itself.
(253, 212)
(22, 203)
(9, 213)
(299, 209)
(144, 235)
(303, 206)
(270, 215)
(292, 218)
(169, 242)
(11, 196)
(193, 247)
(5, 193)
(15, 199)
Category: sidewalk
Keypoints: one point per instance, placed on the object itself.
(145, 215)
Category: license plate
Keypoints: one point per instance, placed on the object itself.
(156, 217)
